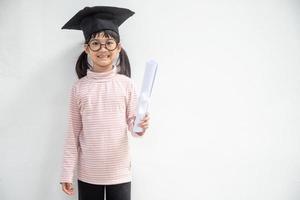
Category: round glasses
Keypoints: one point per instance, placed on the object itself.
(95, 44)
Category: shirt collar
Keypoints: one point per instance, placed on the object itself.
(101, 76)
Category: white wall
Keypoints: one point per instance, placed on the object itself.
(225, 106)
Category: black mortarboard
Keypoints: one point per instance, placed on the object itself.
(97, 18)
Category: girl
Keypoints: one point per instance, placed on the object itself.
(102, 109)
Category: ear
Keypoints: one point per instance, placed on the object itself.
(86, 49)
(119, 47)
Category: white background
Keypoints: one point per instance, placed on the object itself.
(225, 114)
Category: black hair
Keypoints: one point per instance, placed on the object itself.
(123, 63)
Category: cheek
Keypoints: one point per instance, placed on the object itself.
(93, 56)
(113, 55)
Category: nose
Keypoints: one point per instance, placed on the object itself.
(102, 48)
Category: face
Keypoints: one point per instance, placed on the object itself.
(102, 51)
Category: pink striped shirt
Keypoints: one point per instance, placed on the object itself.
(102, 111)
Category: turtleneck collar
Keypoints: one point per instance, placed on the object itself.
(101, 76)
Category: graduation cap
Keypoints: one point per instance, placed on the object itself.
(97, 18)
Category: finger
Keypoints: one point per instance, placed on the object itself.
(144, 126)
(71, 189)
(145, 120)
(65, 190)
(145, 123)
(68, 188)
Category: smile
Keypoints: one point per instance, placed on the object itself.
(103, 56)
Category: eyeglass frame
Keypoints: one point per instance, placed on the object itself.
(102, 44)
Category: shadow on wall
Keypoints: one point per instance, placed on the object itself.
(38, 115)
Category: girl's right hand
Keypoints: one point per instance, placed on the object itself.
(67, 188)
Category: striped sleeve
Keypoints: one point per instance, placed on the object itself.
(70, 152)
(131, 108)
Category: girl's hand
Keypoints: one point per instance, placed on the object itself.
(67, 188)
(144, 124)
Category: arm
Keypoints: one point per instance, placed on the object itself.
(71, 140)
(131, 109)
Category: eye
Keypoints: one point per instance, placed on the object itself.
(94, 43)
(110, 42)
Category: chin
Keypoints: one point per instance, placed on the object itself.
(104, 64)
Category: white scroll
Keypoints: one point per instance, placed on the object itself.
(145, 94)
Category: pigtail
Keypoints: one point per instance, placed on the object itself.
(82, 65)
(124, 63)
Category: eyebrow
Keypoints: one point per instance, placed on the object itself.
(103, 39)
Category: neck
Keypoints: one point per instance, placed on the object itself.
(102, 69)
(101, 76)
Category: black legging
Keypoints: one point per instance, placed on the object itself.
(87, 191)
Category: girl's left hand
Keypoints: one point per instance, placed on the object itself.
(144, 124)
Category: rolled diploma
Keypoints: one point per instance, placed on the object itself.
(145, 94)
